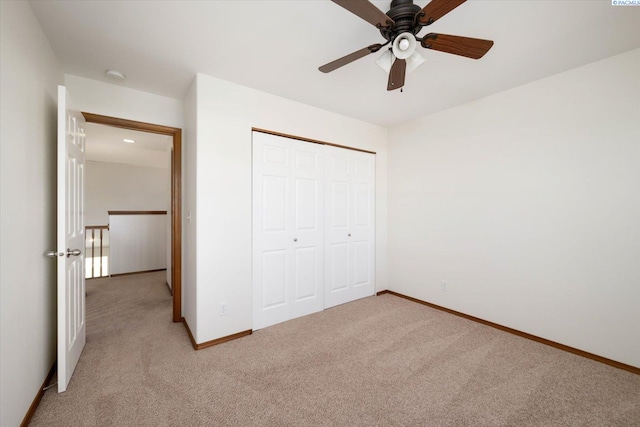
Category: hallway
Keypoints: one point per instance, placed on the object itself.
(128, 325)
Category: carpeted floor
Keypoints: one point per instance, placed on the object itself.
(379, 361)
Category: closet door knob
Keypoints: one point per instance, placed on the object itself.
(349, 235)
(295, 239)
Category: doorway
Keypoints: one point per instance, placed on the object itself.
(176, 195)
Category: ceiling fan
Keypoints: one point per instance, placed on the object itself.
(400, 26)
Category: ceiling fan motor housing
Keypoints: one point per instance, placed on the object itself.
(403, 13)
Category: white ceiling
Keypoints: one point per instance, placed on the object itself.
(277, 47)
(105, 144)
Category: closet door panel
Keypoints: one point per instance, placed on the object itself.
(338, 268)
(361, 264)
(349, 234)
(288, 223)
(305, 280)
(272, 225)
(307, 175)
(363, 225)
(274, 278)
(274, 204)
(338, 271)
(361, 206)
(339, 198)
(306, 194)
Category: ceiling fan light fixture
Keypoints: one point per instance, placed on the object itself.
(404, 45)
(386, 61)
(414, 61)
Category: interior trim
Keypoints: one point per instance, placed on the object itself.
(36, 401)
(314, 141)
(176, 194)
(129, 124)
(136, 272)
(137, 212)
(211, 343)
(610, 362)
(191, 338)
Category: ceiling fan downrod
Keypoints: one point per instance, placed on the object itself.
(404, 15)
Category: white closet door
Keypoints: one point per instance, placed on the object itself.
(288, 196)
(349, 226)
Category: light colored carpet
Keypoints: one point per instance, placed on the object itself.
(378, 361)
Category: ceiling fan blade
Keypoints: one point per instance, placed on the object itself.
(396, 75)
(367, 11)
(463, 46)
(436, 9)
(333, 65)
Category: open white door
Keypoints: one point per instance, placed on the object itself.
(71, 291)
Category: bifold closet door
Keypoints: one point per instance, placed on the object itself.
(288, 222)
(349, 226)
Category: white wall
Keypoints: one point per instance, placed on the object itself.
(528, 204)
(112, 100)
(225, 115)
(138, 243)
(29, 75)
(118, 187)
